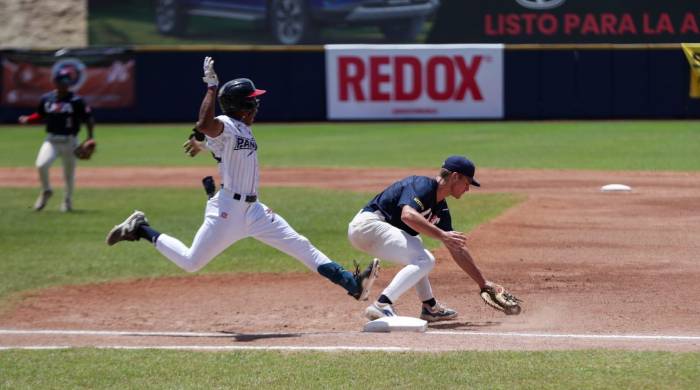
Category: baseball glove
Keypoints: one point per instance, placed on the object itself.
(85, 150)
(500, 299)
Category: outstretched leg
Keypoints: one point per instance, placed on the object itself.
(212, 238)
(378, 238)
(273, 230)
(369, 233)
(209, 241)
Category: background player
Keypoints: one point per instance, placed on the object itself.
(63, 111)
(388, 227)
(234, 212)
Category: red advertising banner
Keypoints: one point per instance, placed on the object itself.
(567, 21)
(414, 81)
(104, 78)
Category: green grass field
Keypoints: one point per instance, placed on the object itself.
(51, 248)
(89, 368)
(597, 145)
(72, 245)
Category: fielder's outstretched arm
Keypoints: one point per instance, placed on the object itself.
(417, 222)
(455, 242)
(465, 261)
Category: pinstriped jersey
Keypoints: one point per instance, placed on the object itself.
(237, 150)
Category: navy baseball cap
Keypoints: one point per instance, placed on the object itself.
(462, 165)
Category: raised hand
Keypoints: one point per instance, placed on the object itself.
(210, 77)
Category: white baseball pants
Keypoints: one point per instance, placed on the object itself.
(369, 233)
(226, 221)
(53, 147)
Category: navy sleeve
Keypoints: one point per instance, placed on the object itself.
(415, 197)
(443, 213)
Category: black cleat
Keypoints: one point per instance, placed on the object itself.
(126, 231)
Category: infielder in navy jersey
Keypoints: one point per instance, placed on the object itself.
(64, 112)
(388, 227)
(235, 212)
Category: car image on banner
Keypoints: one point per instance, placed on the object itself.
(414, 81)
(293, 22)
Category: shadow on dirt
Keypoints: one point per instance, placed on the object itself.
(246, 337)
(464, 325)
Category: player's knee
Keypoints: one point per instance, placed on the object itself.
(194, 264)
(426, 261)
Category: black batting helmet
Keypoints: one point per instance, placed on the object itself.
(239, 95)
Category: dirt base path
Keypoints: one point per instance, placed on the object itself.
(595, 270)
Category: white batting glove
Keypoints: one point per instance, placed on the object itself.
(210, 77)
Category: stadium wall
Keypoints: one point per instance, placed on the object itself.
(540, 82)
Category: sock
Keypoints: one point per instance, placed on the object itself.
(338, 275)
(148, 233)
(431, 302)
(384, 299)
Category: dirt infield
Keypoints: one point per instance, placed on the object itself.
(595, 270)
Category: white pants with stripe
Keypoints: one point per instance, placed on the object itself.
(55, 146)
(226, 221)
(369, 233)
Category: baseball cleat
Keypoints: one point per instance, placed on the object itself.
(365, 279)
(379, 310)
(67, 206)
(439, 312)
(126, 231)
(42, 199)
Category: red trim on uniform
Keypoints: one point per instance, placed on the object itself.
(34, 118)
(257, 92)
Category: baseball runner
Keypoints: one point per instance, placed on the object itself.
(63, 111)
(235, 212)
(388, 227)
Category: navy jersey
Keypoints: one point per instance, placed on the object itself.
(419, 192)
(63, 116)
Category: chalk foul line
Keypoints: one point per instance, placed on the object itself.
(571, 336)
(59, 332)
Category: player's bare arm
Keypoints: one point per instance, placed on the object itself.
(417, 222)
(464, 260)
(206, 122)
